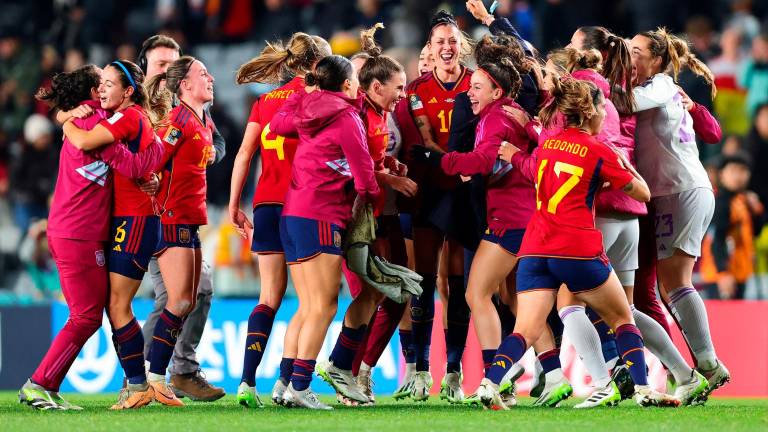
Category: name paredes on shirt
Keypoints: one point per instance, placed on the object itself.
(278, 94)
(568, 147)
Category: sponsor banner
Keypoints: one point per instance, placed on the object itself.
(739, 333)
(25, 335)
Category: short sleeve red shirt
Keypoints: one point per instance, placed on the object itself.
(434, 99)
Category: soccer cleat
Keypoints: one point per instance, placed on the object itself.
(507, 384)
(422, 383)
(645, 396)
(134, 396)
(303, 399)
(365, 384)
(538, 385)
(64, 404)
(716, 377)
(508, 394)
(164, 394)
(693, 392)
(278, 392)
(37, 397)
(247, 396)
(554, 392)
(489, 396)
(196, 387)
(450, 388)
(341, 380)
(623, 381)
(472, 400)
(406, 387)
(606, 396)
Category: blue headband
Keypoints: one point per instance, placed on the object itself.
(127, 74)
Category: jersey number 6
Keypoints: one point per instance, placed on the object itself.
(575, 172)
(273, 144)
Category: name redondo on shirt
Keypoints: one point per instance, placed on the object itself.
(568, 147)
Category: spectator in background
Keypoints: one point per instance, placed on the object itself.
(754, 74)
(19, 74)
(731, 100)
(42, 281)
(33, 172)
(727, 263)
(756, 144)
(50, 62)
(74, 59)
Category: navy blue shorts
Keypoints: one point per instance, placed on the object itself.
(536, 273)
(266, 230)
(406, 224)
(135, 239)
(509, 239)
(179, 235)
(304, 239)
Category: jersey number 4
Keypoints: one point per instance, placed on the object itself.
(575, 172)
(274, 143)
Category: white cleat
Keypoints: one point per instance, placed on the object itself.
(645, 396)
(716, 377)
(303, 399)
(365, 384)
(606, 396)
(556, 389)
(489, 396)
(409, 379)
(422, 384)
(278, 392)
(694, 391)
(341, 380)
(248, 397)
(450, 388)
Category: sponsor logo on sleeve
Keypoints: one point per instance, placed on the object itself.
(172, 135)
(416, 102)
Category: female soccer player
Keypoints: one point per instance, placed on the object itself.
(276, 63)
(562, 245)
(683, 202)
(78, 227)
(135, 228)
(431, 99)
(331, 161)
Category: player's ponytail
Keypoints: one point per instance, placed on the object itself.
(377, 66)
(577, 100)
(278, 61)
(160, 100)
(617, 64)
(69, 89)
(330, 73)
(572, 60)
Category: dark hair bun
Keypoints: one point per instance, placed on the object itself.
(442, 17)
(310, 79)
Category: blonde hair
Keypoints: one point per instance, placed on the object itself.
(277, 60)
(572, 60)
(577, 100)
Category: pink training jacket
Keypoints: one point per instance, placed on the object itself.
(511, 196)
(332, 159)
(82, 199)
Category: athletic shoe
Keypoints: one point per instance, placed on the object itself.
(537, 388)
(422, 384)
(64, 404)
(716, 377)
(164, 394)
(623, 381)
(278, 392)
(693, 392)
(37, 397)
(489, 396)
(303, 399)
(196, 387)
(406, 387)
(365, 384)
(134, 396)
(247, 396)
(554, 392)
(507, 384)
(645, 396)
(450, 388)
(508, 395)
(606, 396)
(472, 400)
(341, 380)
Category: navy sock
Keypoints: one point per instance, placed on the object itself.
(286, 370)
(488, 355)
(607, 337)
(550, 360)
(129, 345)
(259, 328)
(458, 323)
(347, 344)
(406, 345)
(163, 341)
(630, 344)
(422, 315)
(510, 351)
(556, 325)
(302, 374)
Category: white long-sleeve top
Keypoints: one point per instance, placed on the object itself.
(667, 156)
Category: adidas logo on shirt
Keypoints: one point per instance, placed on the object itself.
(433, 100)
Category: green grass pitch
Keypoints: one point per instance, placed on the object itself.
(226, 416)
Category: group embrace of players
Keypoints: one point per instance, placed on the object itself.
(525, 194)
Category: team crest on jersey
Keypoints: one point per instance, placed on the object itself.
(184, 235)
(172, 135)
(449, 100)
(433, 100)
(115, 117)
(337, 239)
(416, 102)
(100, 261)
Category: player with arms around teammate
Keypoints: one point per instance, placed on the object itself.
(561, 244)
(276, 63)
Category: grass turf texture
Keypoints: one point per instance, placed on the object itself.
(225, 415)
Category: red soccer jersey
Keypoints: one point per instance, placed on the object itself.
(430, 97)
(188, 142)
(377, 132)
(132, 127)
(572, 167)
(276, 151)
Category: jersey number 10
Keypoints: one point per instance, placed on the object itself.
(575, 172)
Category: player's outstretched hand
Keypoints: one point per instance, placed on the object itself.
(243, 226)
(423, 154)
(506, 151)
(477, 9)
(404, 185)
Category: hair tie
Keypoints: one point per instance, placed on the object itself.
(288, 50)
(127, 74)
(491, 78)
(613, 44)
